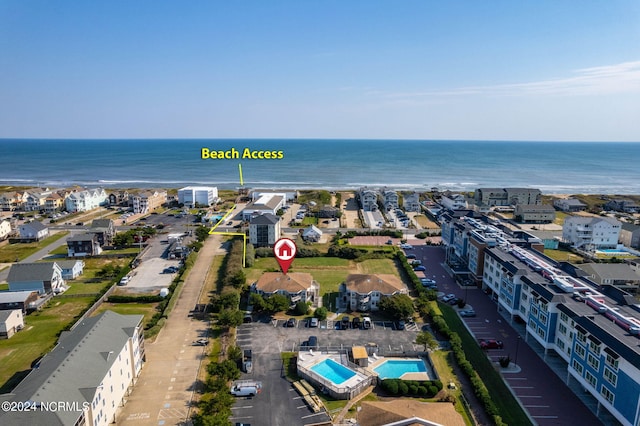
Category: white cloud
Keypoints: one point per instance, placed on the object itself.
(602, 80)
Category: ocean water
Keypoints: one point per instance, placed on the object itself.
(553, 167)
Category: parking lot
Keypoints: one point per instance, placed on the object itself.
(279, 403)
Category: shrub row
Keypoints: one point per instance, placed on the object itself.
(232, 271)
(216, 401)
(426, 389)
(478, 386)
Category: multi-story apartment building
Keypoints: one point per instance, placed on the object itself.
(534, 213)
(201, 195)
(507, 196)
(363, 292)
(11, 201)
(91, 370)
(36, 199)
(594, 329)
(591, 233)
(411, 202)
(264, 230)
(148, 201)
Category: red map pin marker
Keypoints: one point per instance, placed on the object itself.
(284, 250)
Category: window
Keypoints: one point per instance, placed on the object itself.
(577, 366)
(581, 337)
(562, 328)
(564, 317)
(534, 310)
(524, 297)
(593, 362)
(608, 395)
(612, 362)
(543, 318)
(590, 378)
(560, 343)
(594, 347)
(542, 333)
(579, 350)
(610, 376)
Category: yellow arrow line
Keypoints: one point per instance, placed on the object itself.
(240, 169)
(212, 231)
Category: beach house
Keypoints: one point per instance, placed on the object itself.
(33, 231)
(41, 277)
(296, 286)
(84, 244)
(362, 292)
(5, 229)
(147, 201)
(82, 201)
(368, 200)
(591, 233)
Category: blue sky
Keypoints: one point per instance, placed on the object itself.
(503, 70)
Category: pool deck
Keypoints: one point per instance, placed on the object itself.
(311, 358)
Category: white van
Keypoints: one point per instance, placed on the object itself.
(246, 388)
(366, 323)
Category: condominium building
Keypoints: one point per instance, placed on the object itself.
(591, 233)
(203, 196)
(148, 201)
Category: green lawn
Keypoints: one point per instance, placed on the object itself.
(146, 309)
(11, 252)
(38, 336)
(562, 255)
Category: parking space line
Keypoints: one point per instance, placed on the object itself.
(529, 396)
(537, 406)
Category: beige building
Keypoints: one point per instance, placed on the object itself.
(534, 213)
(148, 201)
(297, 286)
(10, 323)
(362, 292)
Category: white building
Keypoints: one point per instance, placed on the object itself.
(267, 203)
(201, 195)
(591, 233)
(368, 200)
(312, 234)
(454, 202)
(11, 322)
(411, 202)
(264, 230)
(148, 201)
(33, 231)
(5, 229)
(86, 200)
(92, 369)
(363, 292)
(390, 199)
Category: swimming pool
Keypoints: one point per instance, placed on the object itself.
(331, 370)
(395, 369)
(614, 252)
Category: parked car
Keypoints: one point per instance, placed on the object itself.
(406, 246)
(401, 325)
(366, 323)
(344, 323)
(291, 322)
(124, 280)
(448, 297)
(416, 262)
(453, 301)
(467, 313)
(247, 318)
(491, 344)
(356, 323)
(411, 256)
(201, 342)
(420, 268)
(313, 342)
(313, 322)
(426, 282)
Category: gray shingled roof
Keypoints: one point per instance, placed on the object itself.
(101, 223)
(34, 224)
(14, 296)
(264, 219)
(74, 369)
(30, 272)
(85, 236)
(4, 315)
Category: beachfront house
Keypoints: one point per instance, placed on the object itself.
(617, 274)
(82, 245)
(591, 233)
(54, 202)
(411, 202)
(312, 234)
(534, 213)
(95, 366)
(41, 277)
(362, 292)
(289, 195)
(33, 231)
(389, 199)
(328, 211)
(267, 203)
(11, 321)
(148, 201)
(36, 199)
(118, 198)
(203, 196)
(622, 205)
(82, 201)
(451, 201)
(11, 201)
(569, 204)
(368, 199)
(264, 230)
(296, 286)
(630, 235)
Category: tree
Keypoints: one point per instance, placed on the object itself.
(301, 308)
(398, 306)
(425, 338)
(258, 302)
(321, 313)
(202, 233)
(230, 317)
(277, 303)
